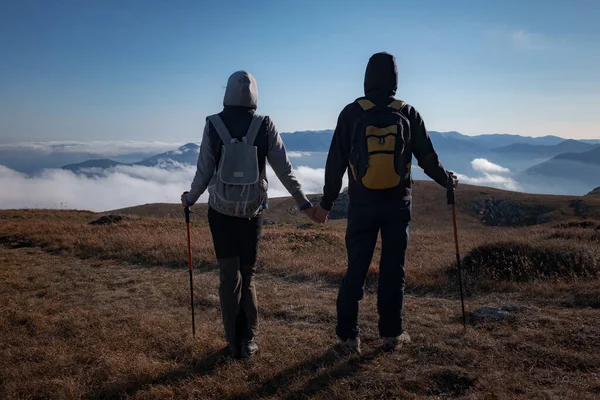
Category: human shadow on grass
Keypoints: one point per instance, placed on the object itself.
(206, 366)
(347, 367)
(327, 378)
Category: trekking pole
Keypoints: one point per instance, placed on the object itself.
(450, 194)
(189, 242)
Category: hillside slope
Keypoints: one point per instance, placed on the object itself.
(429, 207)
(595, 192)
(103, 311)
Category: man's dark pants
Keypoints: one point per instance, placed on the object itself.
(364, 224)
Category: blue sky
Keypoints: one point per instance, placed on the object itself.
(153, 70)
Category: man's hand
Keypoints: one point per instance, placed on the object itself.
(184, 200)
(321, 214)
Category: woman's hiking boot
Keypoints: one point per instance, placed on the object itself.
(249, 348)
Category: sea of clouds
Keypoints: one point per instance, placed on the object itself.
(126, 186)
(118, 187)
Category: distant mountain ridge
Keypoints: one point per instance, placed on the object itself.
(186, 154)
(566, 146)
(589, 157)
(102, 163)
(319, 141)
(315, 141)
(495, 140)
(547, 161)
(583, 167)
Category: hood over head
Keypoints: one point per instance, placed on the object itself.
(241, 91)
(381, 76)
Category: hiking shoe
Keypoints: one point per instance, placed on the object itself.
(350, 346)
(249, 348)
(234, 349)
(394, 343)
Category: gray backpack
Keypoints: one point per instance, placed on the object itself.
(237, 189)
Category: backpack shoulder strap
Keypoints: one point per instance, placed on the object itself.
(221, 128)
(255, 125)
(365, 104)
(397, 105)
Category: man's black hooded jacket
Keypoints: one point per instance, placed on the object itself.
(381, 83)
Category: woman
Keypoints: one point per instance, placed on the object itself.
(236, 144)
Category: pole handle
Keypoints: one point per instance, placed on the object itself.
(451, 188)
(187, 213)
(451, 193)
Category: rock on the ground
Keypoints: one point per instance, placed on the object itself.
(511, 308)
(108, 220)
(488, 312)
(499, 212)
(581, 209)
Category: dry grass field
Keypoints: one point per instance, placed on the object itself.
(102, 311)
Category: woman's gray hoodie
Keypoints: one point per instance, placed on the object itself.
(240, 103)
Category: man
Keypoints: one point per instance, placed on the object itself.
(375, 137)
(236, 144)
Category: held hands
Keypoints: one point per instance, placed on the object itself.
(321, 215)
(317, 214)
(310, 213)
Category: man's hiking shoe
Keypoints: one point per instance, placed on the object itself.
(394, 343)
(350, 346)
(249, 348)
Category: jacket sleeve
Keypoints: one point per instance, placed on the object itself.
(337, 162)
(423, 149)
(205, 168)
(279, 161)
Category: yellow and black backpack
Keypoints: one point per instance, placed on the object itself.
(381, 157)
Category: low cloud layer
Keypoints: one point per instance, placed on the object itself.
(298, 154)
(483, 165)
(118, 187)
(491, 175)
(125, 186)
(100, 148)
